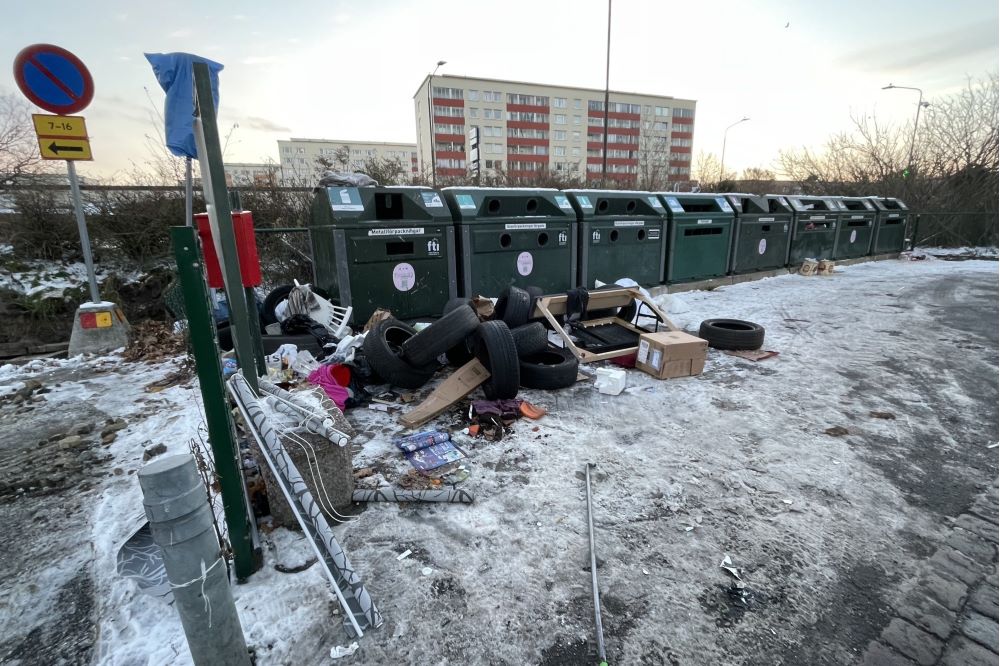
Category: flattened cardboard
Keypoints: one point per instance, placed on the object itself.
(668, 354)
(461, 383)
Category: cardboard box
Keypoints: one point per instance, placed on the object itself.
(671, 354)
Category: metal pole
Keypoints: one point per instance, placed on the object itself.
(188, 194)
(593, 577)
(180, 521)
(81, 224)
(607, 80)
(916, 120)
(722, 160)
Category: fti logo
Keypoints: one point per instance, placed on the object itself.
(563, 237)
(596, 236)
(433, 247)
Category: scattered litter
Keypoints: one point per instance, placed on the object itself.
(882, 415)
(727, 564)
(786, 501)
(339, 651)
(645, 572)
(433, 455)
(406, 553)
(751, 354)
(993, 445)
(611, 381)
(837, 431)
(427, 571)
(530, 411)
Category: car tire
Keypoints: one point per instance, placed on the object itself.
(455, 303)
(513, 307)
(495, 349)
(447, 332)
(530, 339)
(553, 368)
(731, 334)
(382, 347)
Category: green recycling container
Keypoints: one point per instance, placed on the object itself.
(699, 228)
(622, 234)
(814, 228)
(762, 234)
(383, 247)
(856, 228)
(890, 225)
(509, 236)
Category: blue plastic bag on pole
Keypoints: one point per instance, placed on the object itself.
(175, 74)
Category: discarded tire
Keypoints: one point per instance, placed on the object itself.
(447, 332)
(455, 303)
(553, 368)
(534, 293)
(382, 347)
(495, 349)
(513, 307)
(731, 334)
(271, 301)
(530, 338)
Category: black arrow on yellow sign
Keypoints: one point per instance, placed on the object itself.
(55, 148)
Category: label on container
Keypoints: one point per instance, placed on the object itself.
(657, 359)
(705, 221)
(525, 263)
(584, 201)
(724, 205)
(762, 246)
(563, 237)
(434, 248)
(765, 219)
(653, 234)
(432, 200)
(563, 201)
(854, 235)
(817, 217)
(630, 223)
(396, 231)
(404, 277)
(654, 202)
(520, 226)
(345, 199)
(857, 217)
(465, 201)
(674, 205)
(643, 351)
(595, 237)
(893, 214)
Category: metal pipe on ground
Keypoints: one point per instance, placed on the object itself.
(399, 495)
(593, 574)
(180, 521)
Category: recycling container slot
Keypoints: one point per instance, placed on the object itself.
(543, 238)
(493, 208)
(531, 205)
(774, 206)
(694, 207)
(602, 205)
(854, 204)
(703, 232)
(893, 221)
(766, 227)
(630, 207)
(505, 240)
(389, 206)
(641, 234)
(399, 247)
(614, 235)
(857, 223)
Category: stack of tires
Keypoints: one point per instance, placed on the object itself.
(514, 350)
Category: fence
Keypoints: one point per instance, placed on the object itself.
(954, 228)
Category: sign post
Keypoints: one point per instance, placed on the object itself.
(57, 81)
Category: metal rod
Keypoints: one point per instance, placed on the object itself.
(81, 223)
(188, 194)
(607, 80)
(593, 573)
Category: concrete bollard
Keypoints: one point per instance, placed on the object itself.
(180, 520)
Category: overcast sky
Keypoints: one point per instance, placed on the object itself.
(348, 70)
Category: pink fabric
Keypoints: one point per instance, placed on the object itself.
(323, 378)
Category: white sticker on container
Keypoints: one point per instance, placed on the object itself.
(465, 201)
(432, 200)
(563, 237)
(654, 202)
(724, 205)
(643, 351)
(348, 207)
(854, 235)
(584, 201)
(434, 247)
(675, 205)
(857, 217)
(345, 196)
(817, 217)
(563, 201)
(596, 236)
(395, 231)
(893, 214)
(762, 246)
(630, 223)
(524, 225)
(765, 219)
(525, 263)
(704, 221)
(657, 360)
(654, 234)
(404, 277)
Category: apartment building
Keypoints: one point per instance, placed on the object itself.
(300, 158)
(246, 174)
(527, 128)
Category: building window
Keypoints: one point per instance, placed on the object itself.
(491, 96)
(448, 93)
(577, 103)
(560, 119)
(683, 113)
(493, 114)
(494, 148)
(473, 95)
(683, 143)
(451, 163)
(286, 149)
(646, 110)
(559, 102)
(558, 135)
(521, 133)
(576, 136)
(661, 127)
(442, 128)
(528, 117)
(595, 105)
(559, 151)
(300, 151)
(450, 111)
(681, 157)
(576, 152)
(473, 112)
(576, 120)
(661, 111)
(528, 100)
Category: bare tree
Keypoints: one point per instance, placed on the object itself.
(707, 170)
(18, 148)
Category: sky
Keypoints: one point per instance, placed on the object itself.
(348, 70)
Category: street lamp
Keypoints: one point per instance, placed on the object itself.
(920, 104)
(430, 120)
(722, 160)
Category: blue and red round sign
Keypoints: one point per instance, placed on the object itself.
(53, 78)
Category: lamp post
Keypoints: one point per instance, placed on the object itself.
(722, 160)
(607, 79)
(920, 104)
(430, 120)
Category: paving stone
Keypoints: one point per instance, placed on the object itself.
(985, 600)
(920, 609)
(954, 563)
(981, 629)
(972, 546)
(912, 641)
(947, 591)
(879, 654)
(976, 525)
(963, 652)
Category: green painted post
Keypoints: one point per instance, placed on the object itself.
(201, 330)
(213, 179)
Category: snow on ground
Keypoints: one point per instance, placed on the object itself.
(49, 279)
(734, 462)
(967, 252)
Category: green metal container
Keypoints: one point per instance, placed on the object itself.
(508, 236)
(622, 235)
(762, 234)
(890, 225)
(856, 228)
(814, 228)
(699, 229)
(384, 247)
